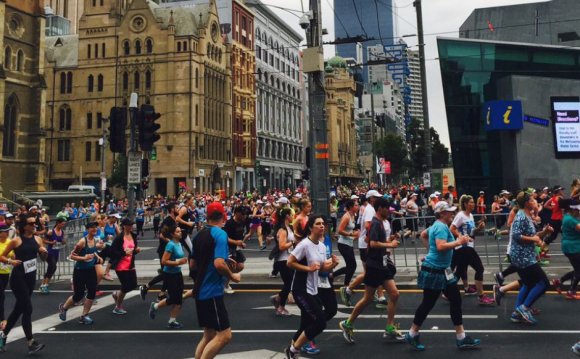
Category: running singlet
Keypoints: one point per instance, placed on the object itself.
(87, 250)
(53, 249)
(125, 262)
(26, 253)
(5, 268)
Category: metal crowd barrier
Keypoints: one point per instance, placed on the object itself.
(73, 231)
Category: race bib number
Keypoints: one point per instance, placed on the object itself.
(57, 246)
(29, 266)
(323, 282)
(449, 274)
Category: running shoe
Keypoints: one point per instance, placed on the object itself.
(86, 320)
(282, 312)
(99, 293)
(516, 318)
(275, 300)
(119, 311)
(44, 289)
(576, 349)
(262, 248)
(382, 303)
(498, 278)
(152, 310)
(310, 348)
(471, 290)
(34, 347)
(557, 285)
(467, 343)
(345, 296)
(572, 295)
(347, 331)
(61, 312)
(544, 262)
(527, 316)
(497, 294)
(484, 300)
(143, 291)
(107, 277)
(174, 325)
(290, 354)
(392, 332)
(228, 290)
(444, 297)
(2, 343)
(414, 341)
(272, 275)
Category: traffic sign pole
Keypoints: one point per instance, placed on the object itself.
(133, 155)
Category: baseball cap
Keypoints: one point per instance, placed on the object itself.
(557, 188)
(126, 221)
(9, 215)
(33, 207)
(282, 200)
(354, 196)
(259, 202)
(4, 228)
(214, 207)
(373, 193)
(432, 195)
(481, 192)
(503, 191)
(545, 189)
(437, 193)
(444, 207)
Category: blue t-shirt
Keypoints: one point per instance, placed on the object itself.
(140, 215)
(213, 282)
(436, 259)
(522, 253)
(176, 251)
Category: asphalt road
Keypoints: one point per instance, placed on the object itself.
(258, 333)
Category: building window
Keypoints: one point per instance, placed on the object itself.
(96, 51)
(185, 46)
(64, 150)
(196, 78)
(62, 82)
(91, 83)
(65, 118)
(136, 80)
(99, 120)
(103, 50)
(89, 120)
(179, 46)
(7, 58)
(258, 52)
(69, 82)
(10, 121)
(97, 151)
(20, 61)
(148, 79)
(138, 47)
(100, 81)
(89, 47)
(126, 47)
(149, 45)
(125, 81)
(88, 148)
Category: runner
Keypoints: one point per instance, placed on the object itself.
(235, 228)
(172, 259)
(84, 275)
(380, 271)
(184, 219)
(346, 236)
(123, 251)
(5, 270)
(301, 219)
(571, 249)
(209, 256)
(256, 224)
(436, 277)
(112, 230)
(26, 248)
(307, 259)
(54, 240)
(284, 240)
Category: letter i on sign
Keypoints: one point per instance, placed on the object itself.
(506, 115)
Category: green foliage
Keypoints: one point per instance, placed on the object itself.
(119, 174)
(439, 153)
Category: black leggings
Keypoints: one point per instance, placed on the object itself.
(347, 253)
(574, 275)
(464, 257)
(84, 279)
(4, 278)
(312, 316)
(159, 277)
(430, 297)
(139, 226)
(22, 286)
(51, 261)
(557, 225)
(328, 298)
(286, 274)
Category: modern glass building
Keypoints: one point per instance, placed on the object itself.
(377, 22)
(476, 71)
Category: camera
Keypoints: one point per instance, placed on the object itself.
(305, 21)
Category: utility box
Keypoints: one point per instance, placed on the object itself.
(312, 60)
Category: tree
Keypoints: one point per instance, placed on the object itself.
(392, 148)
(119, 174)
(439, 153)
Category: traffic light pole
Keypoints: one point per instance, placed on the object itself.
(103, 173)
(319, 175)
(132, 148)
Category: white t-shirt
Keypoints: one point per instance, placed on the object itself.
(465, 225)
(387, 226)
(289, 239)
(367, 216)
(313, 253)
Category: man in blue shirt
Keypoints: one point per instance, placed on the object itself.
(209, 263)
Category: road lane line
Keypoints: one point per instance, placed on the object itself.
(285, 331)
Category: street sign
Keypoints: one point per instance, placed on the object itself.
(427, 179)
(134, 168)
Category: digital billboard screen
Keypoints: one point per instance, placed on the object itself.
(566, 126)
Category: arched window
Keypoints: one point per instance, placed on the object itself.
(136, 80)
(125, 81)
(69, 82)
(179, 46)
(100, 81)
(103, 50)
(65, 118)
(96, 51)
(20, 61)
(138, 47)
(10, 121)
(126, 47)
(148, 79)
(7, 58)
(185, 46)
(62, 82)
(91, 83)
(89, 47)
(196, 78)
(149, 45)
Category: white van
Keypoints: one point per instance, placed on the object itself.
(81, 188)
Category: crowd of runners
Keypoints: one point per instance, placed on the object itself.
(207, 236)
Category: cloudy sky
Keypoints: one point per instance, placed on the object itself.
(439, 16)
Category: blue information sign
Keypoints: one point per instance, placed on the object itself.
(503, 115)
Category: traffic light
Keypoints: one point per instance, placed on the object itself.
(144, 184)
(147, 127)
(144, 168)
(117, 125)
